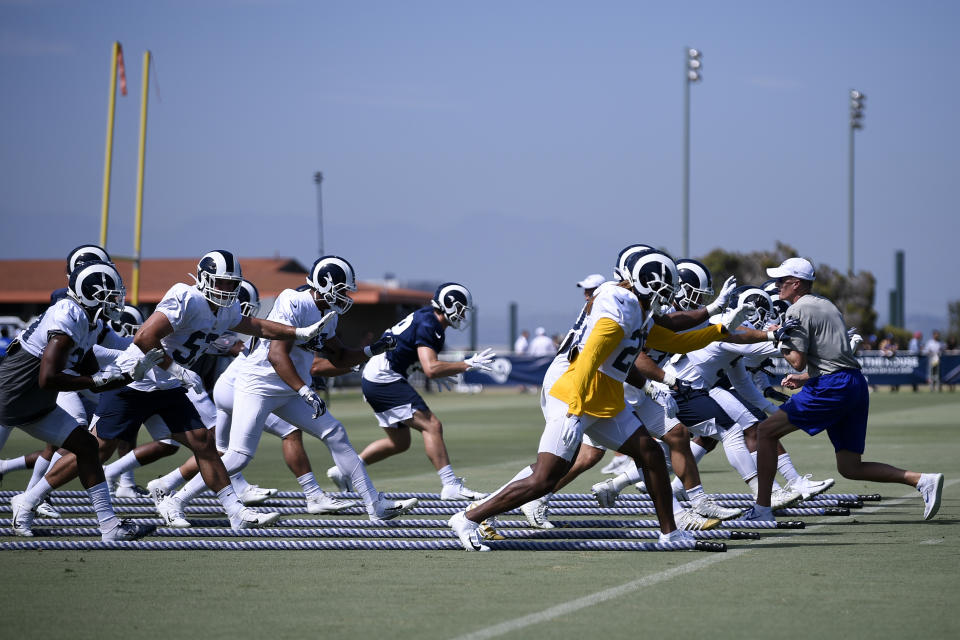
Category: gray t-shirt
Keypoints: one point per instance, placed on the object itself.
(822, 335)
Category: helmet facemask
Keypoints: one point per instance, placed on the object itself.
(220, 290)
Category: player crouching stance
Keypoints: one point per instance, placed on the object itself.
(32, 374)
(272, 380)
(588, 398)
(186, 320)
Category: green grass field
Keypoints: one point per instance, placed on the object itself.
(881, 572)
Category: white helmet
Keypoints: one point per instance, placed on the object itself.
(249, 299)
(86, 253)
(653, 277)
(695, 284)
(332, 277)
(625, 253)
(98, 286)
(127, 324)
(454, 302)
(747, 294)
(219, 277)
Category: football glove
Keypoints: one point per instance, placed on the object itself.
(307, 333)
(721, 300)
(732, 319)
(482, 361)
(188, 378)
(660, 393)
(311, 398)
(788, 326)
(387, 342)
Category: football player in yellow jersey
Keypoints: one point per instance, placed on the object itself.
(586, 396)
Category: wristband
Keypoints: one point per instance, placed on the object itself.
(304, 390)
(367, 351)
(771, 336)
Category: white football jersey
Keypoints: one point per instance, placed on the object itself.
(701, 368)
(621, 306)
(65, 317)
(195, 327)
(297, 308)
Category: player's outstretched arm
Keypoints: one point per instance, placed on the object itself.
(278, 331)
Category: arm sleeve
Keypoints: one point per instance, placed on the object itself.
(743, 383)
(669, 342)
(601, 342)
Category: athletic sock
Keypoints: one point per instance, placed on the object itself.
(622, 481)
(696, 494)
(100, 497)
(172, 481)
(677, 485)
(785, 466)
(39, 470)
(115, 469)
(127, 479)
(310, 487)
(697, 451)
(447, 476)
(677, 507)
(228, 498)
(13, 464)
(37, 493)
(192, 489)
(240, 484)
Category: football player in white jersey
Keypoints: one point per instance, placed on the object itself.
(34, 371)
(186, 320)
(317, 502)
(588, 396)
(272, 379)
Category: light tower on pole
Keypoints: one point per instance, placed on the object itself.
(318, 180)
(856, 122)
(692, 66)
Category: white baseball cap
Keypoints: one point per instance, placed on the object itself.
(796, 267)
(592, 281)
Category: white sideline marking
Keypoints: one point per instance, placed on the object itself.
(932, 541)
(615, 592)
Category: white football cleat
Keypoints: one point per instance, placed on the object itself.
(248, 518)
(171, 510)
(677, 535)
(536, 513)
(343, 482)
(468, 532)
(127, 529)
(255, 495)
(690, 521)
(784, 497)
(327, 504)
(156, 492)
(389, 509)
(459, 492)
(930, 487)
(126, 491)
(22, 517)
(808, 487)
(605, 493)
(707, 508)
(46, 510)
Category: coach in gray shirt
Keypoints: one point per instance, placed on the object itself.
(833, 394)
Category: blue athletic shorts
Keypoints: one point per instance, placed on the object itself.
(835, 402)
(696, 406)
(121, 412)
(394, 398)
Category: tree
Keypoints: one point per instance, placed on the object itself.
(854, 295)
(953, 313)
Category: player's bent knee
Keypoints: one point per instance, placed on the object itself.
(235, 460)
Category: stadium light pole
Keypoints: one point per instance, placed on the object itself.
(692, 66)
(856, 122)
(318, 180)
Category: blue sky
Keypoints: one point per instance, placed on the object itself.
(514, 147)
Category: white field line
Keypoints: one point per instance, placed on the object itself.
(556, 611)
